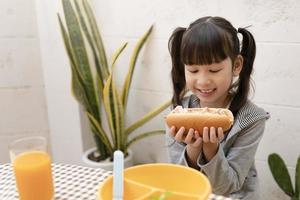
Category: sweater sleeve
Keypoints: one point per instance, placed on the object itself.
(228, 173)
(176, 150)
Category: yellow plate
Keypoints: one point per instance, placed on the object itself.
(145, 182)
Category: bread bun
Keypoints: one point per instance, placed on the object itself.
(198, 118)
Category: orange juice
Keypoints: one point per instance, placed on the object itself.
(33, 176)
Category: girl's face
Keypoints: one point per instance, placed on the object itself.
(211, 83)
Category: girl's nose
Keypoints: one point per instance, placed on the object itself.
(203, 81)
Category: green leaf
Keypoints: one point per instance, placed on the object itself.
(78, 87)
(66, 41)
(280, 173)
(147, 117)
(92, 45)
(80, 54)
(117, 54)
(114, 112)
(100, 132)
(128, 79)
(143, 135)
(97, 38)
(101, 147)
(297, 179)
(113, 106)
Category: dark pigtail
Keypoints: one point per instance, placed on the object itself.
(248, 52)
(177, 71)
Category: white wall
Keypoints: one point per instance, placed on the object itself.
(23, 108)
(274, 25)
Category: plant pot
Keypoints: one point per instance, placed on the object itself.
(105, 164)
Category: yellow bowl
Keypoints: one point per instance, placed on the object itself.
(148, 181)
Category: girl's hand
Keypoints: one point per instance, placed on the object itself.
(193, 141)
(211, 139)
(192, 138)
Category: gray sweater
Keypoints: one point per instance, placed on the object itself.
(231, 171)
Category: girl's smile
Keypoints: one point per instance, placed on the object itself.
(206, 92)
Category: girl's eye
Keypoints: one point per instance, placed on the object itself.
(215, 71)
(193, 71)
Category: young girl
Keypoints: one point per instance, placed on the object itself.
(208, 61)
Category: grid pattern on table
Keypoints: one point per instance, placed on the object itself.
(72, 182)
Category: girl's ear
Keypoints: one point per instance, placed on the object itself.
(238, 65)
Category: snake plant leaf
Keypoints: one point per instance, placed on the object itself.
(107, 107)
(147, 117)
(97, 38)
(280, 173)
(297, 179)
(133, 59)
(100, 131)
(117, 54)
(80, 54)
(92, 45)
(78, 87)
(112, 105)
(66, 40)
(114, 112)
(144, 135)
(100, 146)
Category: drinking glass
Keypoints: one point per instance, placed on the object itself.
(32, 168)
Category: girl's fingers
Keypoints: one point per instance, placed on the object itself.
(220, 134)
(173, 131)
(189, 136)
(205, 135)
(213, 135)
(196, 135)
(179, 134)
(209, 135)
(198, 142)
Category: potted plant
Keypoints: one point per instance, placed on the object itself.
(282, 177)
(93, 83)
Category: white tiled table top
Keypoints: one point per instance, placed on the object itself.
(72, 182)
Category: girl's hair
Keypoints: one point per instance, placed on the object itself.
(211, 40)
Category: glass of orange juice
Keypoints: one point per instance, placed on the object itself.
(32, 168)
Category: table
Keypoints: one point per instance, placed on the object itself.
(71, 182)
